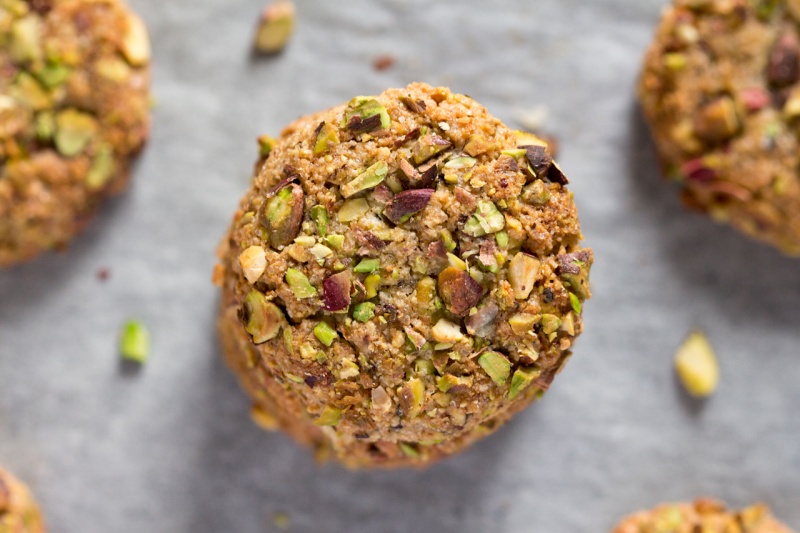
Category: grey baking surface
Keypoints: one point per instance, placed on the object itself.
(170, 448)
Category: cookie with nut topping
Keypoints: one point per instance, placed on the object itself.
(19, 513)
(704, 515)
(74, 111)
(403, 275)
(721, 93)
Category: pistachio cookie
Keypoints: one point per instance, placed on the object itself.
(703, 515)
(18, 512)
(721, 94)
(403, 275)
(74, 110)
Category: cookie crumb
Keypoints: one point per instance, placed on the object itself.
(384, 62)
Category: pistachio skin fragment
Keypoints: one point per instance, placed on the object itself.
(135, 342)
(263, 319)
(336, 292)
(369, 179)
(406, 204)
(497, 366)
(275, 27)
(697, 365)
(282, 215)
(459, 291)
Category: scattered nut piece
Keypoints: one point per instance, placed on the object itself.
(717, 121)
(282, 215)
(370, 178)
(336, 292)
(275, 27)
(406, 204)
(136, 42)
(459, 291)
(521, 380)
(697, 365)
(135, 342)
(497, 366)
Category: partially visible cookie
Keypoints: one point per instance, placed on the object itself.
(74, 110)
(721, 92)
(18, 511)
(705, 516)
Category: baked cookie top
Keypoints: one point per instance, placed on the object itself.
(74, 108)
(720, 92)
(408, 265)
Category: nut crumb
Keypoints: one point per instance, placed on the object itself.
(275, 27)
(384, 62)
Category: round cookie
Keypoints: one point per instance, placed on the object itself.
(703, 515)
(403, 275)
(720, 92)
(18, 511)
(74, 110)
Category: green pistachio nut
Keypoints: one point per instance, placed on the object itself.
(299, 284)
(370, 178)
(263, 319)
(521, 380)
(487, 219)
(74, 131)
(497, 366)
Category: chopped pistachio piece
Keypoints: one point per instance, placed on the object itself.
(136, 41)
(550, 323)
(330, 416)
(497, 366)
(110, 68)
(264, 419)
(253, 261)
(53, 74)
(370, 178)
(717, 121)
(102, 167)
(371, 284)
(536, 193)
(522, 272)
(364, 312)
(575, 302)
(45, 125)
(487, 219)
(406, 204)
(501, 237)
(697, 365)
(27, 89)
(283, 215)
(521, 380)
(447, 239)
(427, 147)
(327, 137)
(367, 266)
(26, 37)
(74, 132)
(353, 210)
(335, 241)
(446, 382)
(320, 252)
(298, 282)
(275, 27)
(265, 145)
(522, 323)
(364, 115)
(263, 319)
(336, 292)
(477, 145)
(135, 341)
(409, 450)
(459, 163)
(325, 333)
(446, 332)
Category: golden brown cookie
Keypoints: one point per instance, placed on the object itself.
(74, 110)
(704, 515)
(403, 275)
(18, 511)
(721, 94)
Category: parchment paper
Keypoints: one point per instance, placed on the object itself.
(170, 447)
